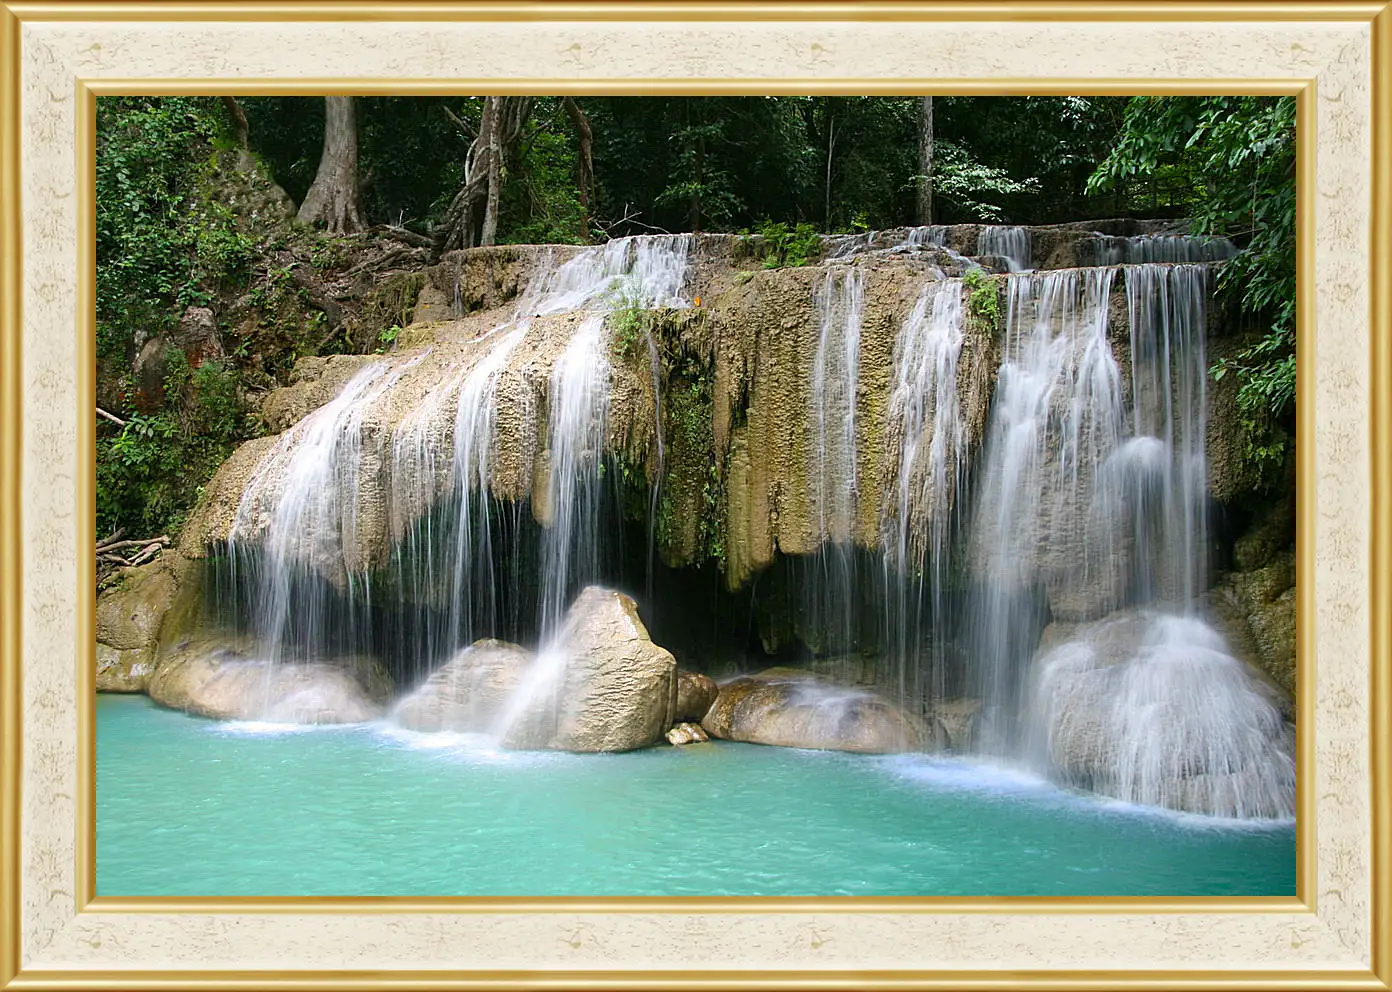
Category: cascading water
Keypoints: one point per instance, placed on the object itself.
(1087, 507)
(1010, 243)
(832, 470)
(1057, 413)
(1147, 248)
(926, 419)
(296, 542)
(294, 510)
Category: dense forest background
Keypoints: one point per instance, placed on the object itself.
(232, 234)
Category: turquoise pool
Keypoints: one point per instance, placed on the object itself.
(187, 806)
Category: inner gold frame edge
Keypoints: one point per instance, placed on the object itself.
(85, 895)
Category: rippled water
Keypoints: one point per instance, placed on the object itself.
(194, 807)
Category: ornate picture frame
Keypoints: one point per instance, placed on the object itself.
(1335, 59)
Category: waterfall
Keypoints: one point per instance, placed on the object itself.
(1165, 462)
(934, 235)
(1057, 413)
(835, 373)
(832, 471)
(1171, 719)
(299, 506)
(1147, 248)
(1087, 507)
(297, 547)
(1010, 243)
(579, 406)
(926, 419)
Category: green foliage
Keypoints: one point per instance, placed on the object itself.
(156, 253)
(975, 189)
(1235, 159)
(541, 203)
(780, 247)
(150, 474)
(983, 299)
(387, 337)
(628, 321)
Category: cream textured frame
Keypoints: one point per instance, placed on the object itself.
(57, 57)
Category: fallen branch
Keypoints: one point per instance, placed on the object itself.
(111, 417)
(402, 234)
(117, 545)
(111, 538)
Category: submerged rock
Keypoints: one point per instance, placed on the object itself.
(604, 686)
(468, 693)
(794, 708)
(695, 694)
(1154, 709)
(225, 682)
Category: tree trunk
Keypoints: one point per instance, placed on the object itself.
(585, 178)
(239, 121)
(831, 147)
(504, 120)
(925, 160)
(495, 173)
(334, 200)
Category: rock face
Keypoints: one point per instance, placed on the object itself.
(605, 686)
(468, 693)
(954, 723)
(129, 614)
(1154, 709)
(124, 671)
(130, 617)
(695, 694)
(227, 683)
(794, 708)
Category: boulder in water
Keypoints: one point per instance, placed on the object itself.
(468, 692)
(686, 733)
(695, 694)
(794, 708)
(227, 683)
(1153, 709)
(603, 686)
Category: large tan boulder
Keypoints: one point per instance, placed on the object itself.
(695, 694)
(132, 616)
(130, 612)
(227, 682)
(468, 692)
(604, 686)
(124, 671)
(794, 708)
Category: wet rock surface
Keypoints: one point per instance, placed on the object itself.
(604, 686)
(795, 708)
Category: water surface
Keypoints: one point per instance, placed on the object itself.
(187, 806)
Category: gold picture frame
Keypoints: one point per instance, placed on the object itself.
(1336, 59)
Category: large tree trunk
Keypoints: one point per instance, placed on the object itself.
(831, 150)
(495, 174)
(504, 119)
(925, 160)
(585, 178)
(334, 200)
